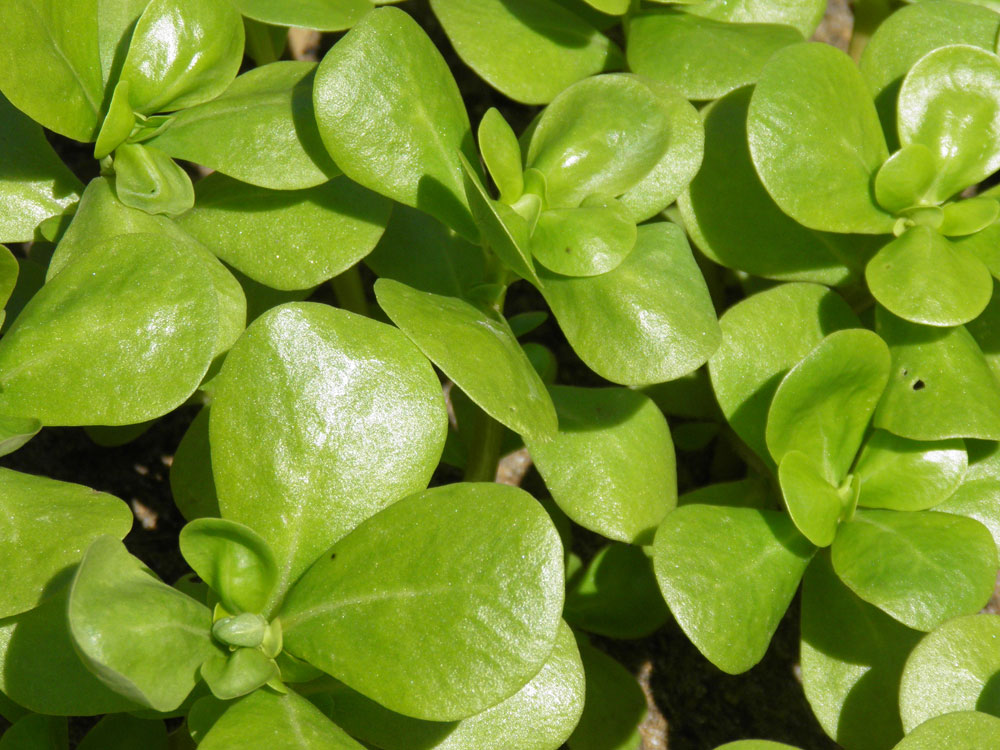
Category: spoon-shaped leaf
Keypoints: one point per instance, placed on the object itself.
(940, 387)
(321, 418)
(445, 639)
(763, 337)
(308, 14)
(385, 77)
(237, 673)
(261, 130)
(142, 638)
(501, 154)
(962, 730)
(814, 504)
(649, 320)
(478, 351)
(728, 597)
(48, 526)
(950, 102)
(901, 474)
(955, 668)
(921, 568)
(148, 179)
(586, 241)
(968, 216)
(852, 657)
(182, 53)
(291, 239)
(804, 16)
(825, 402)
(816, 140)
(540, 716)
(905, 178)
(534, 49)
(63, 363)
(663, 46)
(611, 466)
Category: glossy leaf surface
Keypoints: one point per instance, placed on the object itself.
(905, 178)
(141, 637)
(261, 130)
(954, 668)
(287, 239)
(321, 418)
(322, 15)
(649, 320)
(182, 53)
(148, 179)
(72, 356)
(662, 46)
(447, 638)
(827, 127)
(611, 466)
(814, 504)
(47, 527)
(901, 474)
(940, 387)
(978, 499)
(963, 730)
(729, 598)
(586, 241)
(852, 656)
(921, 568)
(763, 337)
(534, 49)
(386, 76)
(803, 15)
(477, 351)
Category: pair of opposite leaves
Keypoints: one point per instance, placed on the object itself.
(948, 119)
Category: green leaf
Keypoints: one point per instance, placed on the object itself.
(233, 560)
(762, 338)
(540, 716)
(501, 229)
(16, 431)
(940, 387)
(261, 130)
(297, 723)
(125, 732)
(34, 182)
(192, 485)
(804, 15)
(148, 179)
(9, 272)
(901, 474)
(478, 351)
(238, 672)
(924, 278)
(649, 320)
(265, 44)
(530, 50)
(287, 239)
(950, 102)
(852, 657)
(62, 361)
(978, 499)
(599, 137)
(662, 45)
(442, 640)
(586, 241)
(501, 154)
(963, 730)
(905, 178)
(50, 67)
(729, 598)
(421, 252)
(968, 216)
(36, 732)
(814, 504)
(610, 467)
(321, 418)
(118, 123)
(616, 595)
(47, 527)
(142, 638)
(755, 745)
(391, 116)
(322, 15)
(182, 53)
(816, 140)
(614, 705)
(736, 223)
(823, 405)
(954, 668)
(921, 568)
(744, 493)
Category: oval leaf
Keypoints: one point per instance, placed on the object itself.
(814, 504)
(963, 730)
(901, 474)
(321, 15)
(614, 706)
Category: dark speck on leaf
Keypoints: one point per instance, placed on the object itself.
(919, 385)
(333, 555)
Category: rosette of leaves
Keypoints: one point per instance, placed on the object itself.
(330, 557)
(820, 150)
(424, 158)
(858, 511)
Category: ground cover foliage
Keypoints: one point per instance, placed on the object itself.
(730, 292)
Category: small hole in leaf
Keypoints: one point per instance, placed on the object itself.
(905, 371)
(919, 385)
(333, 555)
